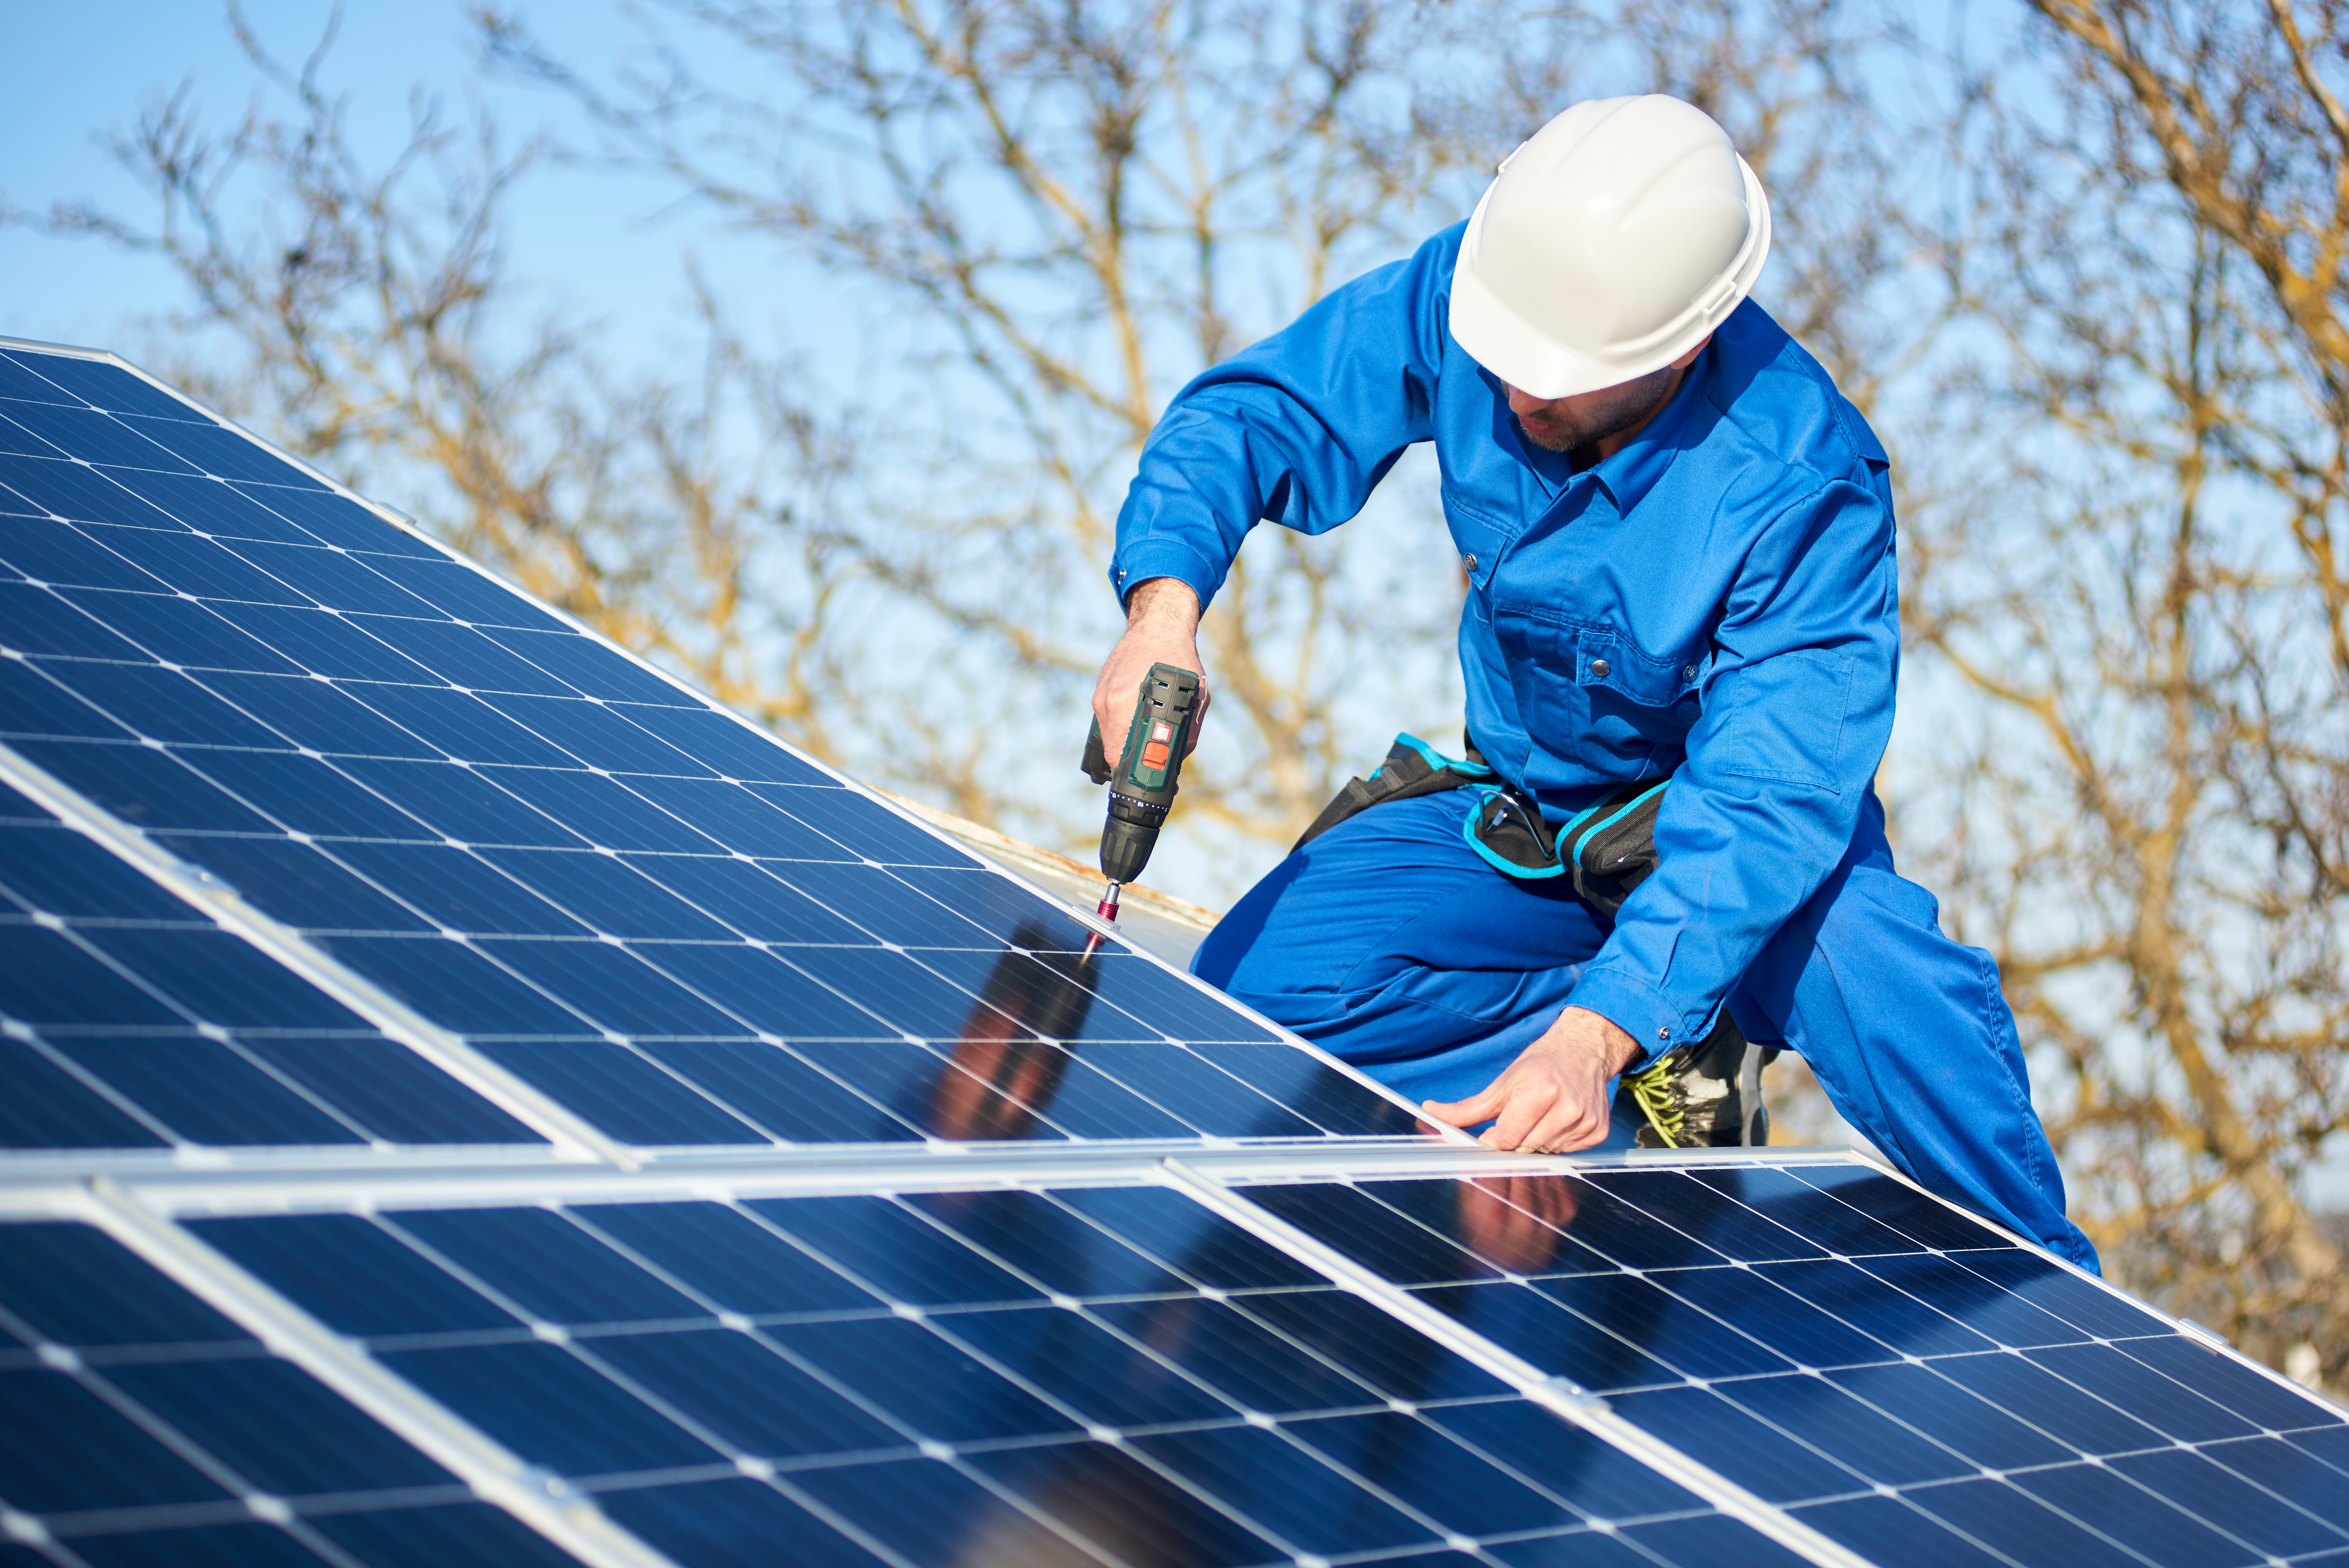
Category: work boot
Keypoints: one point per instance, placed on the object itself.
(1708, 1095)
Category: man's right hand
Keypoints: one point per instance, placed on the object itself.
(1162, 627)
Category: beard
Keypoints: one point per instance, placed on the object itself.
(1558, 429)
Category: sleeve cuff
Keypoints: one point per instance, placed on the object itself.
(1139, 563)
(1640, 1010)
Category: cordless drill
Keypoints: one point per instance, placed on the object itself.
(1142, 786)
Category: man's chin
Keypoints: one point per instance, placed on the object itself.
(1550, 437)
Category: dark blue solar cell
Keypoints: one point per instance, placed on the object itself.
(1045, 1241)
(32, 704)
(334, 579)
(1003, 908)
(308, 796)
(1784, 1321)
(1983, 1306)
(753, 1398)
(36, 621)
(1438, 1476)
(320, 643)
(2176, 1412)
(918, 1089)
(1710, 1539)
(1705, 1427)
(1060, 1083)
(87, 495)
(158, 702)
(456, 1535)
(453, 985)
(62, 1450)
(594, 734)
(352, 1276)
(746, 898)
(2219, 1377)
(1398, 1361)
(554, 1270)
(390, 1090)
(208, 506)
(1868, 1304)
(318, 716)
(724, 743)
(1994, 1514)
(204, 1091)
(784, 1094)
(1582, 1549)
(737, 819)
(17, 381)
(464, 594)
(1284, 1489)
(767, 992)
(896, 1250)
(1514, 1222)
(42, 1106)
(48, 430)
(600, 809)
(181, 631)
(199, 1546)
(1172, 1077)
(223, 981)
(590, 668)
(295, 883)
(607, 894)
(1172, 1005)
(548, 1406)
(859, 824)
(1886, 1529)
(1294, 1078)
(460, 724)
(1528, 1323)
(218, 450)
(457, 889)
(623, 1093)
(1728, 1227)
(77, 1285)
(735, 1523)
(1084, 1367)
(1807, 1210)
(14, 807)
(338, 521)
(1254, 1367)
(461, 655)
(2144, 1524)
(1567, 1461)
(1822, 1415)
(2329, 1443)
(881, 904)
(60, 553)
(923, 1380)
(1982, 1432)
(200, 566)
(911, 999)
(460, 803)
(1126, 1501)
(1197, 1242)
(1921, 1219)
(107, 386)
(45, 979)
(603, 983)
(2286, 1468)
(2084, 1304)
(2217, 1496)
(927, 1512)
(276, 1425)
(1357, 1225)
(2049, 1403)
(59, 871)
(727, 1256)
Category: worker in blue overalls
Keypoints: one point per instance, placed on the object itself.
(1678, 542)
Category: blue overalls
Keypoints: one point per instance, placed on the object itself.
(1715, 604)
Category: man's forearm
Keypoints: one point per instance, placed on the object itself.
(1162, 604)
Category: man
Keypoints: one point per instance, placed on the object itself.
(1678, 539)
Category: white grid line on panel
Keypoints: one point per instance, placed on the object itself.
(408, 525)
(494, 1474)
(572, 1135)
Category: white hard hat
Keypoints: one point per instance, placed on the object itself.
(1610, 244)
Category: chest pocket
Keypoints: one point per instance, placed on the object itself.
(1634, 711)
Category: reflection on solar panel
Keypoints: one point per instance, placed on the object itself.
(464, 1099)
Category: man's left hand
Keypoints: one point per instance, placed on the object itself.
(1552, 1100)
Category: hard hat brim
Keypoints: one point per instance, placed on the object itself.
(1536, 363)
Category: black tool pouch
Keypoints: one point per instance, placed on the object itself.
(1612, 845)
(1412, 768)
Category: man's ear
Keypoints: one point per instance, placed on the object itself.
(1685, 360)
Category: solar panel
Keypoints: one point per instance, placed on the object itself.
(466, 1100)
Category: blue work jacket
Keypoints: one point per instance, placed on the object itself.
(1717, 602)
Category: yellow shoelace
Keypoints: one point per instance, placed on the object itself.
(1652, 1090)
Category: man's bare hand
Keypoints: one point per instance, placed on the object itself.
(1553, 1099)
(1162, 627)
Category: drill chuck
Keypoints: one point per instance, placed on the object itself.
(1143, 783)
(1128, 836)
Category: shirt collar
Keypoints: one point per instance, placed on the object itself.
(1633, 471)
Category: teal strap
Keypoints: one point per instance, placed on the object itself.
(1436, 761)
(1613, 817)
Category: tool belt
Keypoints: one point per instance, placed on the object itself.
(1609, 848)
